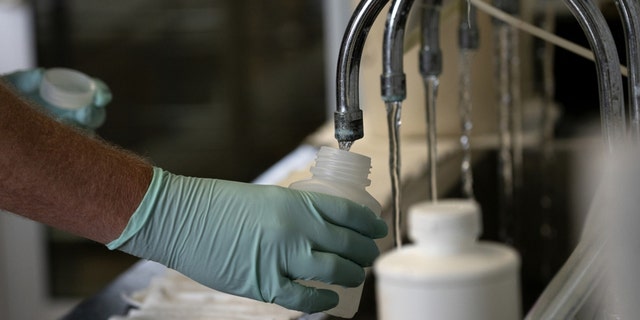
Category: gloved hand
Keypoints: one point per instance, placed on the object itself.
(254, 240)
(27, 83)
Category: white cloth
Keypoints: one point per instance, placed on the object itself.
(174, 296)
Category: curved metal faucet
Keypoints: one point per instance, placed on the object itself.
(630, 13)
(393, 80)
(348, 115)
(602, 43)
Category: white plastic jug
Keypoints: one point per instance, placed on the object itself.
(447, 274)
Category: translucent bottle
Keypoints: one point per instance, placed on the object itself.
(447, 273)
(343, 174)
(69, 95)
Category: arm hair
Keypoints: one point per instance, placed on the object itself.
(55, 175)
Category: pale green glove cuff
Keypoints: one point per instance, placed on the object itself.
(142, 214)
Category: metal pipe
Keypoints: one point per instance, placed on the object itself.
(348, 115)
(603, 45)
(630, 14)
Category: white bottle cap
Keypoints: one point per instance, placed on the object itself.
(445, 226)
(67, 89)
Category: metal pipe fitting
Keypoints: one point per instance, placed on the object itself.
(468, 32)
(431, 54)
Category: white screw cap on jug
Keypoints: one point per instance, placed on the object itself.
(445, 226)
(447, 274)
(67, 89)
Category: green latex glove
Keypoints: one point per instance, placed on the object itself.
(27, 83)
(254, 240)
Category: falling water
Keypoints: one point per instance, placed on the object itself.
(431, 89)
(513, 59)
(503, 38)
(548, 97)
(547, 229)
(394, 110)
(465, 121)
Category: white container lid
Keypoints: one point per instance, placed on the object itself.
(446, 250)
(446, 223)
(67, 89)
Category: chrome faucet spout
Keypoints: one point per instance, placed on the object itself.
(393, 80)
(348, 115)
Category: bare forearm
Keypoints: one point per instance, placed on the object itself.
(55, 175)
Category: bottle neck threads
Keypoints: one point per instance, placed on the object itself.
(343, 166)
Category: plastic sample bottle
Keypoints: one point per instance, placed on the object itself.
(70, 94)
(67, 89)
(343, 174)
(447, 274)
